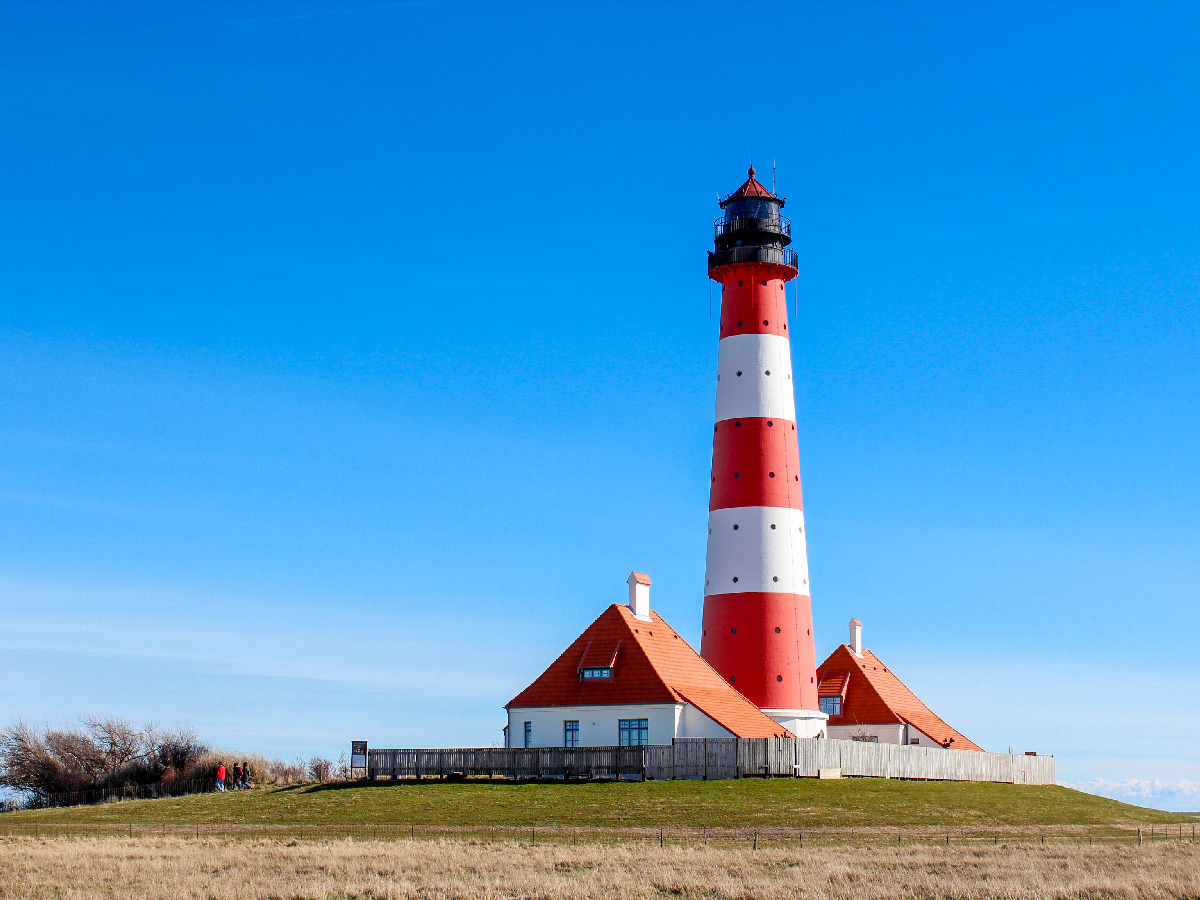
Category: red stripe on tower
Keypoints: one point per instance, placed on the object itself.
(757, 630)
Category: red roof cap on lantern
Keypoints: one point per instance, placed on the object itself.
(650, 663)
(752, 188)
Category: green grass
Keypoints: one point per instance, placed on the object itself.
(750, 802)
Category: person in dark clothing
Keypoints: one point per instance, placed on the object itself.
(245, 776)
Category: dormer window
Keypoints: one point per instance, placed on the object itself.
(831, 706)
(598, 665)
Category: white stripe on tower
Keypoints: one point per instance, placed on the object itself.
(761, 546)
(754, 377)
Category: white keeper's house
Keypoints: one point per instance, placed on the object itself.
(629, 679)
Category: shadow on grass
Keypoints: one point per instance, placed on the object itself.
(437, 781)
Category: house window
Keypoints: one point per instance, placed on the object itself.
(599, 672)
(528, 734)
(865, 738)
(571, 733)
(831, 706)
(633, 732)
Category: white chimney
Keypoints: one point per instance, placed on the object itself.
(856, 637)
(639, 595)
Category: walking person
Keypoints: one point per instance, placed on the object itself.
(221, 777)
(245, 776)
(237, 777)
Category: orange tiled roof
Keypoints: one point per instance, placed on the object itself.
(640, 577)
(873, 695)
(651, 664)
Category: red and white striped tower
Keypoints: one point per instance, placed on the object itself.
(757, 630)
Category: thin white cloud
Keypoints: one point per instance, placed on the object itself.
(1141, 788)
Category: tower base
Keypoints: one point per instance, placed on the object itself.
(803, 723)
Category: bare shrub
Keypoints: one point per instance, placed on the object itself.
(115, 743)
(103, 753)
(320, 769)
(111, 753)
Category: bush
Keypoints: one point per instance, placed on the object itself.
(319, 769)
(109, 753)
(103, 753)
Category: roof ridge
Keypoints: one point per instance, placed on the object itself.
(906, 719)
(866, 679)
(913, 694)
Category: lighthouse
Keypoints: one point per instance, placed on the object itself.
(757, 627)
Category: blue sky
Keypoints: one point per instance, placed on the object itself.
(352, 354)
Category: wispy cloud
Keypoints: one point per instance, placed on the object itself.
(1141, 788)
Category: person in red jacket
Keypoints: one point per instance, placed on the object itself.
(221, 777)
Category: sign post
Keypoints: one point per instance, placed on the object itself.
(358, 759)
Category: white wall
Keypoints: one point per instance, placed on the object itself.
(692, 723)
(599, 725)
(803, 723)
(888, 734)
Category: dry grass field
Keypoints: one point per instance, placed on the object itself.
(142, 869)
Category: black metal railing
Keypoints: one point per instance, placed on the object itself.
(773, 225)
(779, 256)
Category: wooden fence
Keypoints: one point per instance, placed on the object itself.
(712, 758)
(497, 762)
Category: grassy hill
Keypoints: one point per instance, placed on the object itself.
(750, 802)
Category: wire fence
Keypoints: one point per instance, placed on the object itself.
(123, 792)
(677, 837)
